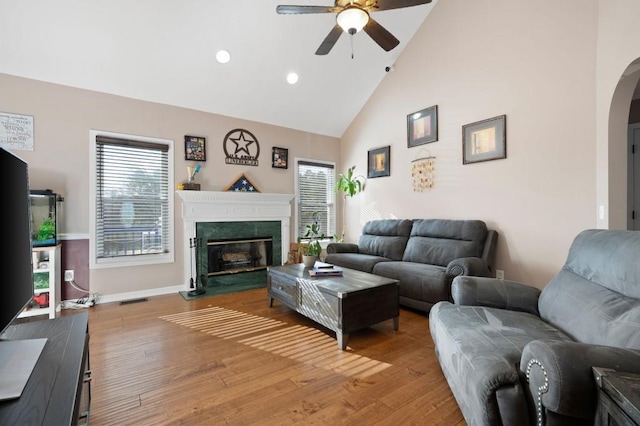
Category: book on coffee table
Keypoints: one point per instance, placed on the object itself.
(322, 265)
(328, 273)
(325, 269)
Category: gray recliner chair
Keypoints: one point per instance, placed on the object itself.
(515, 355)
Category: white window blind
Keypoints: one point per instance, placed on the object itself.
(132, 198)
(315, 193)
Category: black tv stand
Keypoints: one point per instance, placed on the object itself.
(58, 391)
(18, 358)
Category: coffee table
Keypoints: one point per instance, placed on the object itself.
(344, 304)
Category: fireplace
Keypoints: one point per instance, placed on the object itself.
(213, 215)
(231, 256)
(233, 247)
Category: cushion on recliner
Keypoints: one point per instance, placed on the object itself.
(385, 238)
(439, 241)
(357, 261)
(595, 296)
(417, 281)
(479, 350)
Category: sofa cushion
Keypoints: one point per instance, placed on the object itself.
(439, 241)
(385, 238)
(417, 281)
(357, 261)
(595, 298)
(479, 350)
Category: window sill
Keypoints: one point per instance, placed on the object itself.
(126, 261)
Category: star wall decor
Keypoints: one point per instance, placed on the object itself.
(241, 147)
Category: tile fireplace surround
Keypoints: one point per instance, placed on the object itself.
(217, 206)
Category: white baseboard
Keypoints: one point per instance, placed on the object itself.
(119, 297)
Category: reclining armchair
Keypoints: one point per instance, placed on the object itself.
(515, 355)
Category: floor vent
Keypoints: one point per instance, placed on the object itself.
(130, 301)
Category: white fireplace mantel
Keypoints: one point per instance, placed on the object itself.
(218, 206)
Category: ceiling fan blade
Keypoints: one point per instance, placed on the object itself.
(295, 10)
(395, 4)
(329, 41)
(380, 35)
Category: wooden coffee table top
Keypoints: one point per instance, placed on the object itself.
(351, 281)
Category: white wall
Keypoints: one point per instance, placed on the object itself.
(476, 60)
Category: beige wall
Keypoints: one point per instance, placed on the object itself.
(64, 116)
(477, 60)
(555, 71)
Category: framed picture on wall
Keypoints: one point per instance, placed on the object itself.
(279, 158)
(379, 162)
(195, 148)
(484, 140)
(422, 126)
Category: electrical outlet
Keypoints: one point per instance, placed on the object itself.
(68, 275)
(500, 274)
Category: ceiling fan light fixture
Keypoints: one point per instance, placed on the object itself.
(352, 19)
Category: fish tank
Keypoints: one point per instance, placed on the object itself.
(45, 206)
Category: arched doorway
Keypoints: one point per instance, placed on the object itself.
(621, 166)
(633, 162)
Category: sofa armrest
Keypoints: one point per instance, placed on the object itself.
(495, 293)
(474, 266)
(560, 376)
(342, 248)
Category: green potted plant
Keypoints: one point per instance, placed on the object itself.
(311, 249)
(350, 185)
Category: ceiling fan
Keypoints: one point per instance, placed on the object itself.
(353, 16)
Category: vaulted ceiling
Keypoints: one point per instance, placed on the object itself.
(164, 51)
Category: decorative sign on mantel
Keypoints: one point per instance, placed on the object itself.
(16, 131)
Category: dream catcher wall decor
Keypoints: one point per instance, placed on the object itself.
(422, 171)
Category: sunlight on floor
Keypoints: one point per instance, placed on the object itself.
(299, 343)
(223, 322)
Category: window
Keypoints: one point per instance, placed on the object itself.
(315, 192)
(132, 208)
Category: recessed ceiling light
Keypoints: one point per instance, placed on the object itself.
(292, 78)
(223, 56)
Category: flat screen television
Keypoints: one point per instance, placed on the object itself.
(17, 357)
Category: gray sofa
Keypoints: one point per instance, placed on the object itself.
(515, 355)
(423, 254)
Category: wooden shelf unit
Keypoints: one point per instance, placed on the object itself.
(49, 256)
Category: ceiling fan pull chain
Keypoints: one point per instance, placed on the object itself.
(351, 40)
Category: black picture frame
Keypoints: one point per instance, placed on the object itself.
(484, 140)
(422, 126)
(195, 148)
(279, 158)
(379, 162)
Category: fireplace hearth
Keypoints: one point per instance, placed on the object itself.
(230, 248)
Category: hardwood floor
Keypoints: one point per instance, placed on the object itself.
(232, 360)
